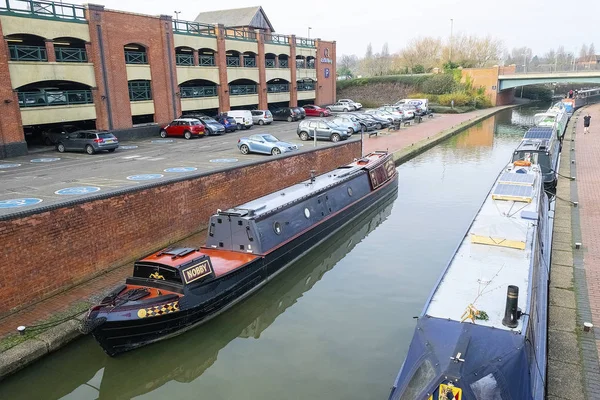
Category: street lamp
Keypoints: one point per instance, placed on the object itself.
(451, 27)
(309, 28)
(177, 14)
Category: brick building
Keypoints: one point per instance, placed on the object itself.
(93, 67)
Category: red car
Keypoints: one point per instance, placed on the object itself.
(186, 127)
(316, 111)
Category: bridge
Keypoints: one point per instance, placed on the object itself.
(510, 81)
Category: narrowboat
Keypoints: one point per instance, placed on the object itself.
(483, 331)
(176, 289)
(556, 117)
(540, 146)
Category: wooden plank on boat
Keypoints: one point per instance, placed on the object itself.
(498, 241)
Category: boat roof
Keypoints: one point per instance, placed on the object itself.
(495, 253)
(542, 145)
(291, 194)
(539, 132)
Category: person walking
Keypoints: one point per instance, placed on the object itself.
(586, 123)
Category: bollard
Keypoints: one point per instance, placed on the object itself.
(575, 203)
(587, 326)
(577, 245)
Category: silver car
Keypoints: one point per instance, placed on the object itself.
(262, 117)
(341, 106)
(323, 129)
(348, 122)
(89, 141)
(384, 114)
(357, 106)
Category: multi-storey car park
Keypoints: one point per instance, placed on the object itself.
(106, 69)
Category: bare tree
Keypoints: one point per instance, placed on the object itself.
(424, 51)
(592, 53)
(583, 53)
(347, 65)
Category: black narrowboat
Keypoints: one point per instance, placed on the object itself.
(175, 289)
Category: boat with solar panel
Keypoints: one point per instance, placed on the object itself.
(483, 331)
(541, 146)
(176, 289)
(556, 117)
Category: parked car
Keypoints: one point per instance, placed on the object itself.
(348, 122)
(285, 114)
(53, 135)
(89, 141)
(315, 111)
(380, 122)
(212, 126)
(44, 96)
(357, 106)
(228, 122)
(324, 129)
(384, 114)
(421, 104)
(242, 117)
(394, 111)
(408, 110)
(264, 144)
(365, 122)
(341, 106)
(186, 127)
(262, 117)
(300, 111)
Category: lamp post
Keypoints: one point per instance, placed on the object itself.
(177, 14)
(451, 28)
(309, 28)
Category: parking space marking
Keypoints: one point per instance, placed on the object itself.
(103, 182)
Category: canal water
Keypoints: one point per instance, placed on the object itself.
(335, 325)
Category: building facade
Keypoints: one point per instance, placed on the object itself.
(93, 67)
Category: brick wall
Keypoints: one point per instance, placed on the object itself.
(325, 90)
(488, 78)
(46, 252)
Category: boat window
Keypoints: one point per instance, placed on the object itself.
(277, 228)
(486, 388)
(419, 381)
(349, 191)
(307, 213)
(157, 273)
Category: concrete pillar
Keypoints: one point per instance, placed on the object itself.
(276, 61)
(221, 61)
(196, 58)
(50, 51)
(262, 74)
(292, 65)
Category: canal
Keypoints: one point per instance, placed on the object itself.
(335, 325)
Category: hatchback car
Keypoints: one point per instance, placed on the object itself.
(212, 126)
(384, 114)
(262, 117)
(228, 122)
(300, 112)
(315, 111)
(394, 111)
(323, 129)
(357, 106)
(347, 121)
(89, 141)
(186, 127)
(341, 106)
(285, 114)
(265, 144)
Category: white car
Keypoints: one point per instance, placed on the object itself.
(341, 106)
(242, 117)
(357, 106)
(394, 111)
(408, 110)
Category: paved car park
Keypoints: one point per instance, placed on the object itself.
(49, 177)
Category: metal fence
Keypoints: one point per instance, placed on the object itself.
(276, 39)
(48, 9)
(73, 54)
(135, 57)
(233, 61)
(194, 28)
(198, 91)
(184, 59)
(551, 68)
(207, 61)
(283, 63)
(56, 98)
(240, 34)
(27, 53)
(306, 86)
(269, 63)
(238, 90)
(140, 90)
(305, 42)
(249, 62)
(278, 87)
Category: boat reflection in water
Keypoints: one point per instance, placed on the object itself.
(185, 358)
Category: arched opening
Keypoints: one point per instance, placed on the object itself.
(197, 88)
(135, 54)
(54, 93)
(284, 61)
(68, 49)
(233, 58)
(249, 59)
(310, 62)
(306, 84)
(206, 57)
(241, 87)
(278, 86)
(300, 62)
(23, 47)
(140, 90)
(270, 60)
(184, 56)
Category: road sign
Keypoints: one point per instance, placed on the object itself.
(43, 160)
(144, 177)
(77, 190)
(181, 169)
(3, 166)
(16, 203)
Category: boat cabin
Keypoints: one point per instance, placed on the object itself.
(543, 152)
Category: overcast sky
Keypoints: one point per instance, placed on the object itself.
(540, 25)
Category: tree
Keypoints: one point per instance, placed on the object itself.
(473, 51)
(583, 53)
(347, 66)
(592, 53)
(424, 51)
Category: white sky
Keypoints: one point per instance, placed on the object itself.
(540, 25)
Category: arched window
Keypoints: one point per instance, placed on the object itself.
(54, 93)
(135, 54)
(197, 88)
(278, 86)
(233, 58)
(284, 61)
(184, 56)
(241, 87)
(26, 47)
(206, 57)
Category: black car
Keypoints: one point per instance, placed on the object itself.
(380, 123)
(301, 111)
(285, 114)
(228, 122)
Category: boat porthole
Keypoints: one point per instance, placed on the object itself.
(307, 213)
(277, 228)
(349, 191)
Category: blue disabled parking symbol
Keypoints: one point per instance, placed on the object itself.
(3, 166)
(77, 190)
(15, 203)
(181, 169)
(144, 177)
(42, 160)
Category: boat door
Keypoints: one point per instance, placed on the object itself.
(323, 205)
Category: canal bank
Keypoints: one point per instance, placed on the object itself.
(81, 296)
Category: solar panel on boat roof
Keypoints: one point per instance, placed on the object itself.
(538, 133)
(515, 178)
(512, 192)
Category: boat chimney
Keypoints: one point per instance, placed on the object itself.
(312, 175)
(511, 313)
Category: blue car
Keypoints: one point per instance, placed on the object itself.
(228, 122)
(264, 144)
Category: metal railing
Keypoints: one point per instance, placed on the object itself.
(238, 90)
(269, 63)
(194, 28)
(306, 86)
(206, 61)
(184, 59)
(300, 64)
(278, 87)
(551, 69)
(284, 63)
(249, 62)
(70, 54)
(139, 91)
(135, 57)
(310, 64)
(240, 34)
(233, 61)
(42, 8)
(305, 42)
(56, 98)
(198, 91)
(27, 53)
(276, 39)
